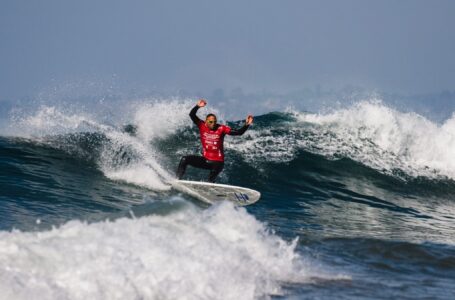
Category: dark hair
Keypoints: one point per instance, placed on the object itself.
(210, 115)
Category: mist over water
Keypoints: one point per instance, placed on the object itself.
(352, 198)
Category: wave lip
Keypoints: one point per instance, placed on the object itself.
(368, 132)
(386, 139)
(219, 253)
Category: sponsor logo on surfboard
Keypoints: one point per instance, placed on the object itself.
(242, 197)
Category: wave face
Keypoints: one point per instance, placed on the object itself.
(357, 202)
(370, 133)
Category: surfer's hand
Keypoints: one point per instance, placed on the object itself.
(201, 103)
(249, 120)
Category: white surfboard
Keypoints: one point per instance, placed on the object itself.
(214, 192)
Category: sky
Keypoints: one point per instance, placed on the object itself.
(276, 46)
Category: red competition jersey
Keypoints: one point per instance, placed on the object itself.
(212, 141)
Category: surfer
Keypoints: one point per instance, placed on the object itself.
(212, 138)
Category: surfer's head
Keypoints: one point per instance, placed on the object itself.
(210, 121)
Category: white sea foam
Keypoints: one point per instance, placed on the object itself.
(218, 253)
(387, 139)
(50, 120)
(161, 119)
(368, 132)
(153, 119)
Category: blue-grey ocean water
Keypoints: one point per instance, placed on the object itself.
(356, 204)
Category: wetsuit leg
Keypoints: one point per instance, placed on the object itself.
(216, 168)
(192, 160)
(196, 161)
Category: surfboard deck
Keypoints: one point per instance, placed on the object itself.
(214, 192)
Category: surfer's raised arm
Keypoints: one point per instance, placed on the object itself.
(193, 116)
(248, 122)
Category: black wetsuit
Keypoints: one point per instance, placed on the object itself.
(199, 161)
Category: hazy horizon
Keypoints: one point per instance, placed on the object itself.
(201, 46)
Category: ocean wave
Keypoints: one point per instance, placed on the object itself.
(370, 132)
(218, 253)
(145, 150)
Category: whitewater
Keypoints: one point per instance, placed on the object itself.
(357, 203)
